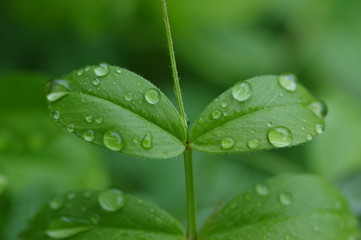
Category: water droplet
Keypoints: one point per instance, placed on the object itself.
(128, 96)
(200, 121)
(96, 81)
(288, 236)
(280, 137)
(99, 119)
(227, 143)
(159, 220)
(87, 68)
(242, 91)
(101, 70)
(224, 103)
(216, 114)
(89, 118)
(309, 137)
(88, 135)
(70, 127)
(262, 189)
(320, 128)
(288, 82)
(269, 124)
(285, 198)
(319, 109)
(112, 200)
(71, 195)
(65, 233)
(56, 115)
(147, 141)
(56, 203)
(57, 89)
(113, 141)
(80, 72)
(152, 95)
(94, 219)
(119, 70)
(139, 84)
(254, 143)
(135, 140)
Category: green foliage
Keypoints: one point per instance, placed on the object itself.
(259, 113)
(283, 208)
(102, 215)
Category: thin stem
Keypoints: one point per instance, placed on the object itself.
(177, 88)
(191, 204)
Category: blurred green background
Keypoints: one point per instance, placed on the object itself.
(217, 43)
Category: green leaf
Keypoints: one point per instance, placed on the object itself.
(118, 109)
(259, 113)
(298, 207)
(98, 215)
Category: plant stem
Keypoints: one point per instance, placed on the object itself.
(191, 204)
(177, 88)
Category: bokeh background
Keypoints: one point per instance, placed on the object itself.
(218, 42)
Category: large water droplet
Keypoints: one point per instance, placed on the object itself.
(280, 137)
(113, 141)
(128, 96)
(285, 198)
(216, 114)
(254, 143)
(66, 227)
(66, 232)
(262, 189)
(242, 91)
(288, 82)
(112, 200)
(319, 128)
(57, 89)
(152, 95)
(319, 109)
(101, 70)
(88, 135)
(56, 203)
(89, 118)
(147, 141)
(227, 143)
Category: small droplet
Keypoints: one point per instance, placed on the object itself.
(99, 119)
(101, 70)
(309, 137)
(254, 143)
(112, 200)
(89, 118)
(262, 189)
(57, 89)
(66, 232)
(159, 220)
(70, 127)
(80, 72)
(242, 91)
(280, 137)
(152, 95)
(224, 103)
(285, 198)
(119, 70)
(288, 82)
(71, 195)
(113, 141)
(94, 219)
(56, 115)
(319, 128)
(88, 135)
(139, 84)
(227, 143)
(135, 140)
(200, 121)
(216, 114)
(147, 141)
(269, 124)
(319, 109)
(128, 96)
(288, 236)
(56, 203)
(96, 81)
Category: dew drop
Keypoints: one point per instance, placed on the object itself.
(152, 95)
(227, 143)
(280, 137)
(200, 121)
(56, 203)
(56, 115)
(147, 141)
(96, 81)
(242, 91)
(262, 189)
(89, 118)
(87, 68)
(135, 140)
(159, 220)
(319, 128)
(309, 137)
(319, 109)
(285, 198)
(119, 70)
(71, 195)
(139, 84)
(80, 72)
(269, 124)
(88, 135)
(101, 70)
(113, 141)
(254, 143)
(99, 119)
(70, 127)
(288, 236)
(66, 232)
(216, 114)
(112, 200)
(128, 96)
(288, 82)
(57, 89)
(224, 103)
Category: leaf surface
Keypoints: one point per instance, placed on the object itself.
(115, 108)
(300, 207)
(95, 215)
(258, 114)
